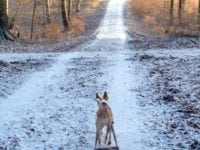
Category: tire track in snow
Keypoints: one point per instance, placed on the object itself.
(128, 117)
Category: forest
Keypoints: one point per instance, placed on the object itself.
(43, 20)
(53, 20)
(99, 74)
(176, 17)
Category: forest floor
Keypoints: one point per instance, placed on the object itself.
(47, 100)
(141, 37)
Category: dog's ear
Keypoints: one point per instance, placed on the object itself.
(105, 96)
(97, 96)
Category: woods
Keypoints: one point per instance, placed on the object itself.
(54, 20)
(173, 17)
(44, 20)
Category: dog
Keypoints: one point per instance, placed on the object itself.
(104, 119)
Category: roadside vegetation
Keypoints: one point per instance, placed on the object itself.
(171, 17)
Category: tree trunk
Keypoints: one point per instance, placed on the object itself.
(180, 10)
(33, 17)
(171, 13)
(48, 11)
(78, 6)
(69, 8)
(199, 15)
(64, 15)
(4, 28)
(4, 10)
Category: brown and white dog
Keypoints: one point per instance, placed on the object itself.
(104, 119)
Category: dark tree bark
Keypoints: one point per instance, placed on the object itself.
(33, 17)
(180, 10)
(64, 15)
(4, 10)
(171, 12)
(199, 15)
(4, 27)
(69, 8)
(78, 6)
(199, 7)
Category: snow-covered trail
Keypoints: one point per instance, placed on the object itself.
(55, 108)
(121, 78)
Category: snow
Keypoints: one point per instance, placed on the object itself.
(128, 120)
(113, 23)
(24, 56)
(37, 82)
(55, 108)
(169, 94)
(182, 53)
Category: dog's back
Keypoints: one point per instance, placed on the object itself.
(104, 116)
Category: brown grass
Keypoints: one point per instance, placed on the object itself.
(77, 27)
(156, 14)
(52, 32)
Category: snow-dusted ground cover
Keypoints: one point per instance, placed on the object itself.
(15, 68)
(172, 94)
(53, 105)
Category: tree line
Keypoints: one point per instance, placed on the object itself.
(169, 17)
(181, 4)
(8, 30)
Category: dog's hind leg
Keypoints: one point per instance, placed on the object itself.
(106, 137)
(96, 140)
(99, 137)
(109, 135)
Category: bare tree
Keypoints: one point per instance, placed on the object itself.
(64, 15)
(4, 27)
(48, 11)
(180, 9)
(78, 5)
(171, 11)
(33, 17)
(199, 15)
(69, 8)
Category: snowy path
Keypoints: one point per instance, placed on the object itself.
(55, 108)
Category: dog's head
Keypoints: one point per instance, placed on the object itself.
(102, 100)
